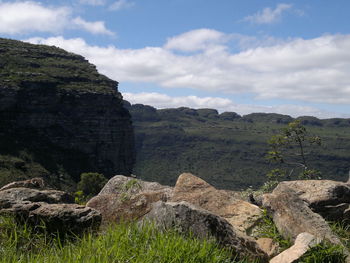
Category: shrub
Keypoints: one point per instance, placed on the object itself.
(91, 183)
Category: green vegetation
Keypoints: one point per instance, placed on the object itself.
(288, 149)
(267, 228)
(91, 183)
(228, 150)
(117, 243)
(52, 67)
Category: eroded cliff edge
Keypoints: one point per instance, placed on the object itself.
(58, 112)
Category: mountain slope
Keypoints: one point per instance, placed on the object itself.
(227, 150)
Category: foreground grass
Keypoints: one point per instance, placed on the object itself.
(118, 243)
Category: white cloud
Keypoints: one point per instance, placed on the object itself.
(121, 4)
(28, 16)
(162, 101)
(268, 15)
(93, 2)
(195, 40)
(97, 27)
(315, 70)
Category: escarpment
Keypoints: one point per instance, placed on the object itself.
(56, 110)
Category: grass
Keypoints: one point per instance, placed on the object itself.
(117, 243)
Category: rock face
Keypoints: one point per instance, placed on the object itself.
(60, 109)
(128, 199)
(194, 190)
(54, 209)
(186, 218)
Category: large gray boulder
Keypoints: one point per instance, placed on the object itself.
(56, 218)
(187, 218)
(50, 208)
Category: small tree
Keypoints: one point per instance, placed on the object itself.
(288, 148)
(91, 183)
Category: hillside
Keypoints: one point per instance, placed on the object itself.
(59, 117)
(227, 150)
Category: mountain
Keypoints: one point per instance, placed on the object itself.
(227, 150)
(59, 117)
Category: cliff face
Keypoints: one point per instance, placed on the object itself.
(60, 110)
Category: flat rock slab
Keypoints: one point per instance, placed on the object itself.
(11, 196)
(303, 243)
(187, 218)
(241, 214)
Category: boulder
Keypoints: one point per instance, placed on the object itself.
(127, 199)
(241, 214)
(302, 244)
(187, 218)
(293, 216)
(120, 184)
(330, 199)
(61, 218)
(36, 183)
(118, 208)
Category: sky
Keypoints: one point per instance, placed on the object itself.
(288, 57)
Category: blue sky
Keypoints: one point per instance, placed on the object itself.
(289, 57)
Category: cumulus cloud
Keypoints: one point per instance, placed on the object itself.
(97, 27)
(162, 101)
(121, 4)
(314, 70)
(28, 16)
(195, 40)
(268, 15)
(92, 2)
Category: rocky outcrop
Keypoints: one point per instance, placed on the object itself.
(331, 199)
(52, 209)
(128, 199)
(293, 216)
(61, 110)
(241, 214)
(187, 218)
